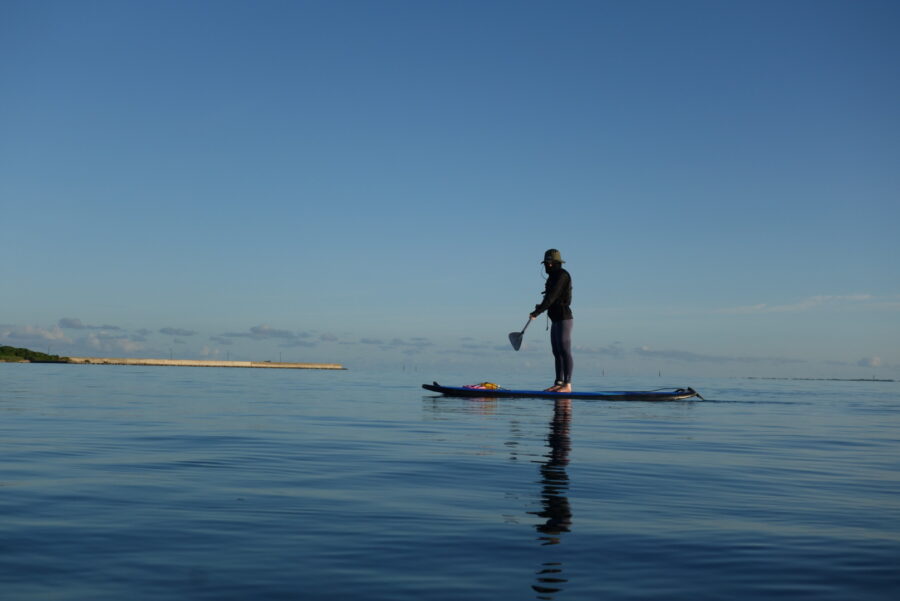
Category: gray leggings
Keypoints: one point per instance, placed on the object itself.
(561, 343)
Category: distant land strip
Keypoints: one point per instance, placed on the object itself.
(200, 363)
(823, 379)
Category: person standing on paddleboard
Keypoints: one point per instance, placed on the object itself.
(557, 298)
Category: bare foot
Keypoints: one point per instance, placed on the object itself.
(554, 388)
(564, 388)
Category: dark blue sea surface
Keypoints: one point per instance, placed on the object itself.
(147, 483)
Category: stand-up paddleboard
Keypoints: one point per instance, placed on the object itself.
(666, 394)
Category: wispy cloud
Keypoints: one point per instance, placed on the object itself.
(96, 340)
(870, 362)
(298, 342)
(110, 343)
(73, 323)
(417, 342)
(409, 346)
(176, 332)
(25, 335)
(286, 338)
(804, 305)
(262, 332)
(691, 357)
(412, 346)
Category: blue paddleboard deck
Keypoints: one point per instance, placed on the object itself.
(669, 394)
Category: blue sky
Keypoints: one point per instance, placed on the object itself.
(375, 182)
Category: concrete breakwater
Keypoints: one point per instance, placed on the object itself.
(200, 363)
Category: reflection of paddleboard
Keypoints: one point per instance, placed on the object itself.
(666, 394)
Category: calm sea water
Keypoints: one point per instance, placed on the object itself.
(147, 483)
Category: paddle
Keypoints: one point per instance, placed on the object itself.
(515, 338)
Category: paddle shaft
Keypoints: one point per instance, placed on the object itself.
(530, 319)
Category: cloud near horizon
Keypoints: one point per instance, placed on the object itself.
(107, 343)
(24, 335)
(803, 305)
(410, 346)
(177, 332)
(73, 323)
(870, 362)
(264, 332)
(299, 342)
(40, 338)
(691, 357)
(417, 342)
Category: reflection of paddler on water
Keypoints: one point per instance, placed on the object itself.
(554, 476)
(556, 512)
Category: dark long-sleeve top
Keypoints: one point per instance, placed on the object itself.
(557, 296)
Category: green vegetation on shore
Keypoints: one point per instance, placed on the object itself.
(11, 354)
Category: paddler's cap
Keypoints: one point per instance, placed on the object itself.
(552, 255)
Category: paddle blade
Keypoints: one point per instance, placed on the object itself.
(515, 339)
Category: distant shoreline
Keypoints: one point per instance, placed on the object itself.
(822, 379)
(200, 363)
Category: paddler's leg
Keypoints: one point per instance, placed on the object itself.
(565, 363)
(556, 343)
